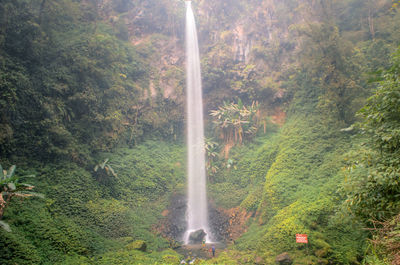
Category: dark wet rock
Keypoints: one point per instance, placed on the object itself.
(197, 236)
(284, 259)
(174, 225)
(199, 251)
(219, 224)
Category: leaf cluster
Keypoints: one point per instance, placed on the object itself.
(235, 121)
(373, 185)
(10, 186)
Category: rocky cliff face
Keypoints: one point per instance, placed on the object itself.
(248, 45)
(156, 29)
(158, 26)
(242, 39)
(226, 224)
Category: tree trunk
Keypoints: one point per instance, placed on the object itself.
(371, 21)
(42, 6)
(2, 205)
(265, 126)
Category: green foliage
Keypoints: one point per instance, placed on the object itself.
(49, 237)
(249, 241)
(111, 217)
(10, 186)
(221, 14)
(233, 257)
(68, 188)
(302, 168)
(384, 246)
(75, 259)
(147, 171)
(16, 249)
(382, 114)
(138, 257)
(82, 217)
(212, 156)
(5, 226)
(373, 187)
(76, 86)
(252, 200)
(236, 121)
(253, 161)
(227, 195)
(223, 258)
(214, 76)
(325, 72)
(306, 158)
(104, 173)
(239, 180)
(292, 220)
(137, 245)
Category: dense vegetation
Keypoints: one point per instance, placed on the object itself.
(303, 133)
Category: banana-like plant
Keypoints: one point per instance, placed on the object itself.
(10, 186)
(235, 121)
(211, 148)
(106, 167)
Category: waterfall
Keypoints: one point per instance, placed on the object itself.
(197, 214)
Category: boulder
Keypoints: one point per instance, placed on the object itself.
(197, 236)
(137, 245)
(284, 259)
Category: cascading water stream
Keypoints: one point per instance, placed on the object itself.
(197, 213)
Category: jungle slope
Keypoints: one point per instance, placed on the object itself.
(90, 217)
(322, 61)
(72, 89)
(289, 181)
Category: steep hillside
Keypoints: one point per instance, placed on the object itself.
(90, 216)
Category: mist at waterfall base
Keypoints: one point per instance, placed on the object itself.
(197, 212)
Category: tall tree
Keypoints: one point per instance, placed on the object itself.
(373, 187)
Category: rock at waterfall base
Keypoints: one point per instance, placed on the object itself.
(197, 236)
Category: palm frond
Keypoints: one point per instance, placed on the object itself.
(29, 194)
(104, 163)
(5, 226)
(28, 176)
(11, 171)
(11, 186)
(112, 171)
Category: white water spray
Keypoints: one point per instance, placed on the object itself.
(197, 213)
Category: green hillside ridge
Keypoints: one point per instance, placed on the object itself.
(303, 168)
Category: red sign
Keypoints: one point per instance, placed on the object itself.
(301, 238)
